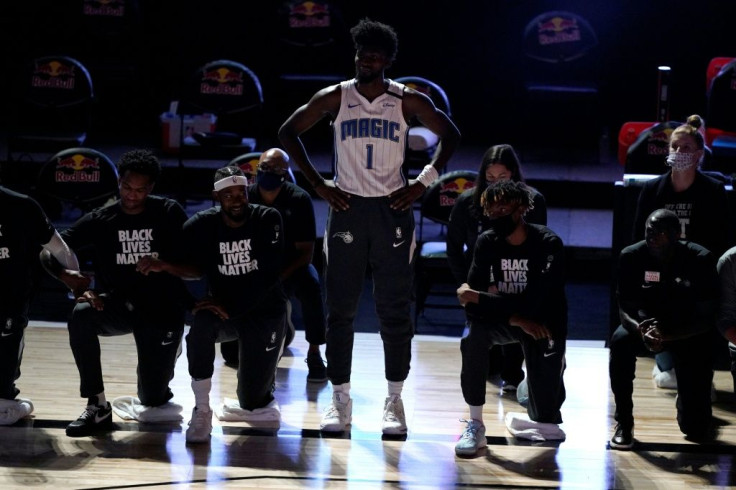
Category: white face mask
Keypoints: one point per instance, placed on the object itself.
(681, 161)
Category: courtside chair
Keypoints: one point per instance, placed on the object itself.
(434, 285)
(422, 143)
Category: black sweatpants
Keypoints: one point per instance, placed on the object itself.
(369, 233)
(157, 335)
(545, 365)
(12, 334)
(693, 368)
(260, 336)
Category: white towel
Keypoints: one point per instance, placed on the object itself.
(231, 411)
(522, 427)
(130, 408)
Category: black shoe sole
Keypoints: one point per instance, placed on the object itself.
(620, 447)
(84, 431)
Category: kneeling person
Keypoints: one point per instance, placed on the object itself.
(515, 293)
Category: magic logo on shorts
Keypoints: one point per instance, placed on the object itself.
(236, 258)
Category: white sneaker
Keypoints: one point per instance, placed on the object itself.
(339, 414)
(12, 411)
(394, 419)
(664, 379)
(200, 427)
(472, 439)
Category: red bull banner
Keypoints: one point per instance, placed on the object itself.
(53, 74)
(222, 81)
(77, 168)
(309, 14)
(658, 142)
(104, 8)
(558, 30)
(450, 190)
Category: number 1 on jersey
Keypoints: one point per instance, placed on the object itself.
(369, 156)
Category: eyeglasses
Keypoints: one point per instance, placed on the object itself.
(272, 169)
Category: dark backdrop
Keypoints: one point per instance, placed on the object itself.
(471, 47)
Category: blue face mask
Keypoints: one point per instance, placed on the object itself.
(269, 181)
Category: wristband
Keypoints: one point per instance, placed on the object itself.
(428, 175)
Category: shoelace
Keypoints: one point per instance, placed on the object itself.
(392, 412)
(470, 431)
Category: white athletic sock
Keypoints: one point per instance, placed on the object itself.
(201, 389)
(395, 387)
(476, 412)
(343, 388)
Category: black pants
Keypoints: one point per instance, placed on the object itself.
(12, 331)
(157, 337)
(693, 369)
(507, 360)
(369, 233)
(545, 365)
(260, 337)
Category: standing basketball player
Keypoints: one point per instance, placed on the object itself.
(370, 220)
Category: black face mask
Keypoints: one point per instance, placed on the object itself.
(269, 181)
(503, 226)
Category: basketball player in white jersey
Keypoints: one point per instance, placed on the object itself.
(370, 221)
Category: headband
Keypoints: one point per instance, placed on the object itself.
(230, 181)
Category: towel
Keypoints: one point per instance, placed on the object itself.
(230, 411)
(131, 408)
(522, 427)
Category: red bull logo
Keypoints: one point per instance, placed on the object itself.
(77, 168)
(249, 168)
(558, 30)
(53, 74)
(104, 8)
(309, 14)
(450, 190)
(222, 81)
(658, 142)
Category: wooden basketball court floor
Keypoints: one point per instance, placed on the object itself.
(36, 453)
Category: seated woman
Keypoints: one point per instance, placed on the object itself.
(499, 162)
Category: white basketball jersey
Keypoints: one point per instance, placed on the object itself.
(370, 141)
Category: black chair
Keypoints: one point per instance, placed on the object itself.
(721, 128)
(230, 92)
(431, 267)
(422, 143)
(51, 108)
(560, 80)
(81, 177)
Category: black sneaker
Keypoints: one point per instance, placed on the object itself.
(317, 369)
(94, 419)
(623, 437)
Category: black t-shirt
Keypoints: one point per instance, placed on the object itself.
(467, 222)
(297, 214)
(703, 210)
(681, 295)
(118, 240)
(242, 264)
(24, 228)
(529, 278)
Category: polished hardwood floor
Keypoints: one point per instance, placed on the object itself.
(35, 452)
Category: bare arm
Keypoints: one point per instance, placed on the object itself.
(421, 107)
(150, 264)
(325, 103)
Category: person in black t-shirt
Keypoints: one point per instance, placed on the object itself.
(24, 230)
(515, 293)
(299, 276)
(126, 299)
(499, 162)
(668, 300)
(238, 248)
